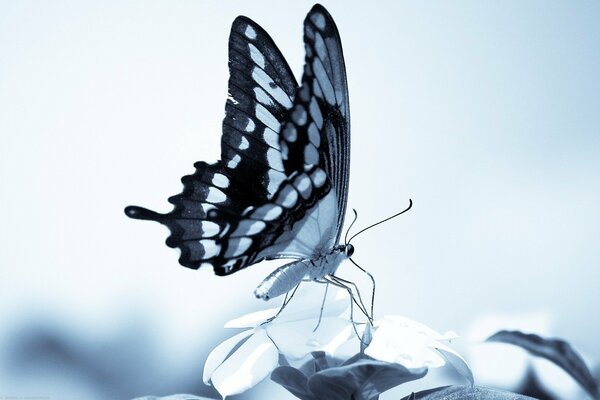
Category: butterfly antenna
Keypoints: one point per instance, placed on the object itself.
(373, 284)
(410, 203)
(350, 227)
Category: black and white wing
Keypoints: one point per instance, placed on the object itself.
(317, 131)
(316, 136)
(252, 204)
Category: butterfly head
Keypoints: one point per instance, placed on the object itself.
(348, 250)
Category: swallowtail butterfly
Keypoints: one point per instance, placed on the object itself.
(281, 186)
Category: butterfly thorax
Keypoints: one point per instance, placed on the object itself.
(286, 277)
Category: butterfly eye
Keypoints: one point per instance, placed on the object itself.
(349, 250)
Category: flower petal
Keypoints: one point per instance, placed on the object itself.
(308, 300)
(220, 353)
(403, 346)
(252, 320)
(401, 321)
(247, 366)
(456, 360)
(296, 339)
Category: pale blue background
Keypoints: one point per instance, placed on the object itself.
(486, 114)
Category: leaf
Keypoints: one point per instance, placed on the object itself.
(465, 393)
(558, 351)
(294, 381)
(361, 380)
(320, 360)
(456, 361)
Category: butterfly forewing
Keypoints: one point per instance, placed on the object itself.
(261, 89)
(317, 130)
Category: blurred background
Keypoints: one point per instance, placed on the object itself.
(486, 114)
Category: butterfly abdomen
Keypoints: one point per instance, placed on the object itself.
(286, 277)
(282, 280)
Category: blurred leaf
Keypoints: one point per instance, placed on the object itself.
(283, 361)
(355, 358)
(558, 351)
(294, 381)
(532, 387)
(465, 393)
(320, 360)
(361, 380)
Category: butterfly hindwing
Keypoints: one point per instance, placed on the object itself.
(251, 169)
(271, 230)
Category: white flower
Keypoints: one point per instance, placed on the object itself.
(400, 340)
(234, 370)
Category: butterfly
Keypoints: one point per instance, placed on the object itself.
(281, 186)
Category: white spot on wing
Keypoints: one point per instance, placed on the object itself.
(289, 133)
(287, 197)
(304, 186)
(238, 246)
(311, 155)
(266, 117)
(317, 89)
(324, 82)
(314, 135)
(320, 46)
(234, 161)
(215, 195)
(244, 143)
(270, 87)
(299, 114)
(211, 248)
(250, 125)
(209, 228)
(315, 112)
(284, 151)
(267, 212)
(275, 178)
(271, 138)
(256, 56)
(274, 160)
(262, 97)
(220, 180)
(319, 20)
(249, 227)
(250, 32)
(318, 177)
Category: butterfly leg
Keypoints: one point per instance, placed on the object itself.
(286, 300)
(344, 284)
(322, 306)
(361, 306)
(373, 284)
(329, 279)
